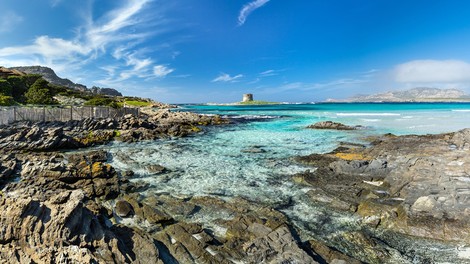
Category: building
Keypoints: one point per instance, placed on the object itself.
(247, 97)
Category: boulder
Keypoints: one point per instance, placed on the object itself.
(123, 209)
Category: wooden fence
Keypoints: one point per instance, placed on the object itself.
(9, 115)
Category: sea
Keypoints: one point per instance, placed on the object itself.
(253, 157)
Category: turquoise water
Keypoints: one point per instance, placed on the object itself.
(253, 157)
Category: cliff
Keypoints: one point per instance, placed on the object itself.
(5, 72)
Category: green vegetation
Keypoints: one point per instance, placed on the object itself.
(33, 89)
(103, 101)
(5, 88)
(19, 88)
(137, 103)
(256, 102)
(6, 100)
(40, 93)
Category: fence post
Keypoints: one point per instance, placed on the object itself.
(14, 114)
(44, 114)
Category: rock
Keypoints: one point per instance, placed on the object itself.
(155, 169)
(276, 247)
(325, 254)
(123, 209)
(400, 186)
(333, 125)
(424, 204)
(254, 150)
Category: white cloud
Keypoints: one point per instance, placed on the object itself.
(8, 21)
(268, 73)
(433, 71)
(248, 9)
(113, 31)
(162, 71)
(224, 77)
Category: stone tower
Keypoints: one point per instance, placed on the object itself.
(247, 97)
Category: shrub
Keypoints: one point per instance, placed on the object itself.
(40, 93)
(57, 89)
(30, 79)
(5, 87)
(6, 100)
(19, 88)
(103, 101)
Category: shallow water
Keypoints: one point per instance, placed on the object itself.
(252, 159)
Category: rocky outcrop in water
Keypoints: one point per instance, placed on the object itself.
(400, 186)
(333, 125)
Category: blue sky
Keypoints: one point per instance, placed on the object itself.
(215, 50)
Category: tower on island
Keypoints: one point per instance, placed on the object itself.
(247, 97)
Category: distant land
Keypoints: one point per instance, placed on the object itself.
(420, 94)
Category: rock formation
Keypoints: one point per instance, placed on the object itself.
(406, 186)
(333, 125)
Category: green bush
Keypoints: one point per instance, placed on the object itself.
(19, 88)
(40, 93)
(5, 87)
(103, 101)
(30, 79)
(57, 89)
(6, 100)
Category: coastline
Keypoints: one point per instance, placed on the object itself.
(89, 202)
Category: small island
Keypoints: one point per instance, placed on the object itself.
(248, 100)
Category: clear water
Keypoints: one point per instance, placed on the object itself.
(221, 162)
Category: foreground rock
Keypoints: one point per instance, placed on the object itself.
(75, 208)
(411, 185)
(54, 215)
(333, 125)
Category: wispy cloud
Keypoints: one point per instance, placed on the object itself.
(269, 73)
(54, 3)
(162, 71)
(8, 21)
(224, 77)
(248, 9)
(116, 33)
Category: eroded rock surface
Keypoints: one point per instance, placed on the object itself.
(53, 214)
(411, 185)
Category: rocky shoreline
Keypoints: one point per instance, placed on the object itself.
(400, 186)
(60, 206)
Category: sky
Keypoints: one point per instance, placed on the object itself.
(195, 51)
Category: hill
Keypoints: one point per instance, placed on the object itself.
(420, 94)
(49, 75)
